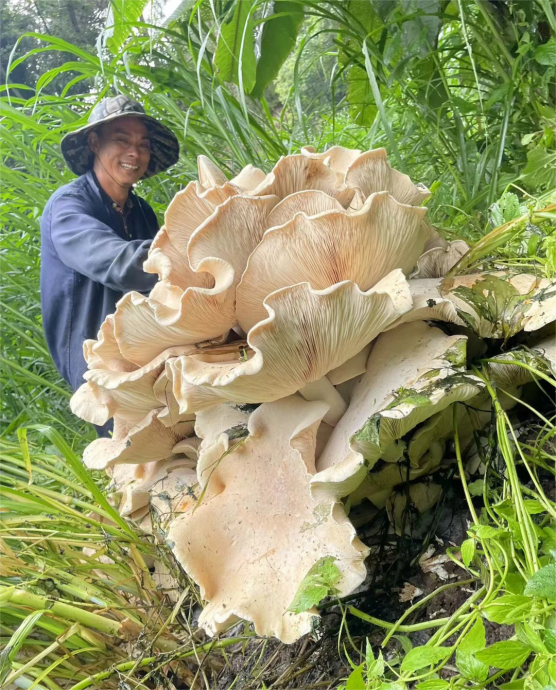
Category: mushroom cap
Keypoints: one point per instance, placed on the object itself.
(147, 441)
(170, 316)
(334, 325)
(130, 395)
(371, 172)
(362, 246)
(438, 260)
(412, 372)
(257, 532)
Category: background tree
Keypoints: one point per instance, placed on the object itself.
(76, 21)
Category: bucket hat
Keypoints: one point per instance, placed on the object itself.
(165, 148)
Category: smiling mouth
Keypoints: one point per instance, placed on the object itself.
(128, 166)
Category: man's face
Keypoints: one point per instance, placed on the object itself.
(123, 149)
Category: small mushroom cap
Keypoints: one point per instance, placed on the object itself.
(86, 405)
(337, 323)
(326, 249)
(337, 158)
(210, 174)
(309, 202)
(104, 353)
(148, 441)
(133, 482)
(297, 173)
(371, 172)
(257, 532)
(130, 395)
(437, 261)
(248, 179)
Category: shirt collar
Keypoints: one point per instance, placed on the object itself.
(106, 198)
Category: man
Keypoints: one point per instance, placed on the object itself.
(95, 232)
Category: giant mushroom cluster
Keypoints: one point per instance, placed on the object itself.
(286, 359)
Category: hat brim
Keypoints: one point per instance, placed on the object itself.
(165, 148)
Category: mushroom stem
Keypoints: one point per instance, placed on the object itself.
(324, 390)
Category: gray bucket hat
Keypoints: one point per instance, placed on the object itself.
(165, 148)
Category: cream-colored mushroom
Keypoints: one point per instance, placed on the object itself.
(210, 174)
(248, 179)
(297, 173)
(309, 202)
(323, 250)
(436, 261)
(257, 532)
(130, 395)
(337, 158)
(147, 441)
(104, 353)
(371, 172)
(133, 482)
(145, 326)
(175, 493)
(332, 326)
(428, 304)
(412, 372)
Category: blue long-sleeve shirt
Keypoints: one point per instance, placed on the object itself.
(89, 259)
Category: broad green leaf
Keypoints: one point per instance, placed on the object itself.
(123, 13)
(433, 685)
(474, 641)
(509, 206)
(376, 668)
(514, 583)
(355, 680)
(362, 104)
(486, 531)
(420, 657)
(509, 608)
(550, 641)
(235, 50)
(505, 655)
(405, 642)
(363, 109)
(529, 636)
(551, 669)
(543, 583)
(468, 551)
(278, 39)
(531, 506)
(518, 684)
(319, 583)
(539, 170)
(369, 655)
(546, 54)
(476, 487)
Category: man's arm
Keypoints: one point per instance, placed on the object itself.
(93, 248)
